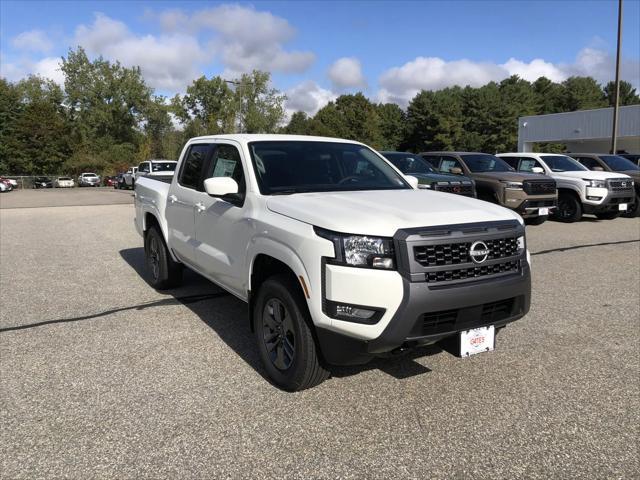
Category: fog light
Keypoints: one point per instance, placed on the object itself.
(382, 262)
(352, 313)
(594, 198)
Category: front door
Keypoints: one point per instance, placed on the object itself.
(184, 193)
(222, 226)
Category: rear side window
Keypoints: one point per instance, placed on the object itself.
(193, 166)
(227, 163)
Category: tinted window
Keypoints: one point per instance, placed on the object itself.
(163, 166)
(143, 167)
(193, 165)
(562, 163)
(409, 163)
(483, 162)
(588, 162)
(617, 163)
(511, 161)
(299, 166)
(432, 159)
(227, 163)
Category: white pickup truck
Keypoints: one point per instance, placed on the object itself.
(340, 256)
(580, 190)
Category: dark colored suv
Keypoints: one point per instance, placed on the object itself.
(428, 176)
(530, 194)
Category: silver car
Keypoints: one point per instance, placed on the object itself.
(88, 180)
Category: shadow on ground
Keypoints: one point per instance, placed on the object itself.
(227, 316)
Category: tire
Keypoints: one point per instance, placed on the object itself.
(539, 220)
(286, 346)
(163, 271)
(569, 208)
(634, 210)
(608, 215)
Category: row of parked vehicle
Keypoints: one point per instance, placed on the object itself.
(536, 185)
(159, 169)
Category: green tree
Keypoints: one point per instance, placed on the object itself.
(261, 107)
(392, 125)
(298, 124)
(548, 96)
(11, 107)
(581, 93)
(628, 94)
(208, 107)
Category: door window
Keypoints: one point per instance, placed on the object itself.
(511, 161)
(227, 163)
(193, 166)
(449, 163)
(588, 162)
(527, 164)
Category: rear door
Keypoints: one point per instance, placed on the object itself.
(222, 225)
(184, 193)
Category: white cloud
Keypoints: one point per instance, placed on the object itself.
(248, 39)
(400, 84)
(168, 62)
(307, 97)
(346, 73)
(33, 40)
(48, 67)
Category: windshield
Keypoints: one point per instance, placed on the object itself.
(163, 166)
(89, 175)
(409, 163)
(562, 163)
(618, 164)
(285, 167)
(64, 178)
(483, 162)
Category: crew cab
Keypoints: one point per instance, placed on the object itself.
(159, 169)
(532, 196)
(429, 177)
(128, 178)
(340, 257)
(580, 190)
(615, 163)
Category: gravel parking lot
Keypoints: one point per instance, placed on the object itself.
(103, 377)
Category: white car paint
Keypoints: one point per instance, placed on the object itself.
(221, 242)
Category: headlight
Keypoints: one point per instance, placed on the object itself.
(425, 185)
(361, 250)
(512, 185)
(595, 183)
(521, 243)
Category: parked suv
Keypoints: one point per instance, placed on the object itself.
(339, 255)
(633, 157)
(614, 163)
(579, 190)
(428, 176)
(532, 195)
(88, 180)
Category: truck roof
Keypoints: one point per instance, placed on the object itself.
(260, 137)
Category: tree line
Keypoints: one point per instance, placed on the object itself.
(106, 117)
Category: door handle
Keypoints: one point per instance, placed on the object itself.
(173, 198)
(200, 206)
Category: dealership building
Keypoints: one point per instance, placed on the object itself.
(583, 131)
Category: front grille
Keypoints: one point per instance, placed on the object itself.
(459, 189)
(539, 187)
(471, 272)
(538, 203)
(617, 201)
(621, 185)
(457, 253)
(445, 321)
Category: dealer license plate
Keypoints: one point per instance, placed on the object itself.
(477, 340)
(543, 211)
(623, 207)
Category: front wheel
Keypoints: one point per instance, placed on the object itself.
(569, 208)
(608, 215)
(286, 345)
(164, 272)
(539, 220)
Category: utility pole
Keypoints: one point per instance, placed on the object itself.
(238, 84)
(614, 133)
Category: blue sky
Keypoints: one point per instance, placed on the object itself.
(317, 50)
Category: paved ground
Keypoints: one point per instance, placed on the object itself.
(102, 377)
(64, 197)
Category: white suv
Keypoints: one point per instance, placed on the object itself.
(88, 180)
(580, 190)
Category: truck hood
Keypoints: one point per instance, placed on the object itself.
(383, 212)
(509, 176)
(588, 174)
(439, 177)
(635, 174)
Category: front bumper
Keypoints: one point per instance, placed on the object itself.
(609, 200)
(528, 206)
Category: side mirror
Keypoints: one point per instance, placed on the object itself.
(220, 186)
(456, 171)
(598, 169)
(411, 180)
(537, 170)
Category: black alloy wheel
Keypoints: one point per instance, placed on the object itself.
(569, 209)
(278, 334)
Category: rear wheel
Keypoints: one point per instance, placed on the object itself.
(569, 208)
(286, 345)
(164, 272)
(608, 215)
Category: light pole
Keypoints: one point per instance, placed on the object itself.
(237, 84)
(614, 133)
